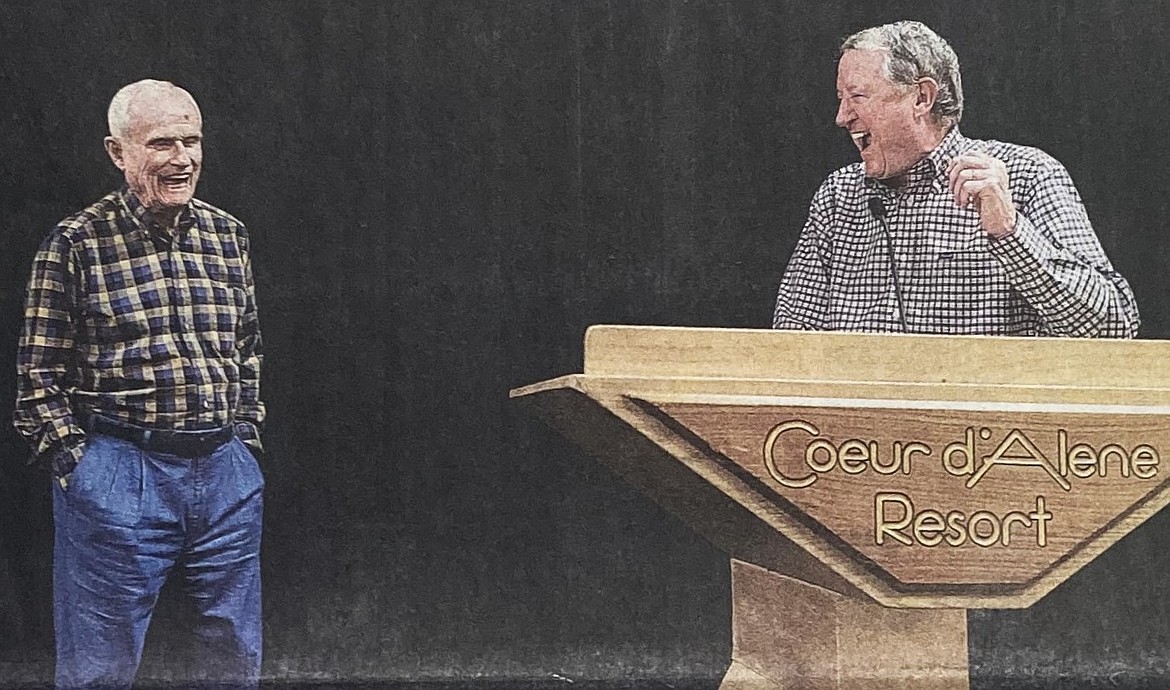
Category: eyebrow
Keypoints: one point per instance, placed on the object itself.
(160, 140)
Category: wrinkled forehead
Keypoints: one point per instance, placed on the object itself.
(164, 108)
(862, 68)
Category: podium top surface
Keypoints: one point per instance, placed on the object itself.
(675, 352)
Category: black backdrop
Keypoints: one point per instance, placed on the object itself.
(442, 196)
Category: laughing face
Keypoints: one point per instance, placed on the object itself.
(887, 121)
(161, 151)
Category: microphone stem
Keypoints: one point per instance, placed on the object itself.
(894, 273)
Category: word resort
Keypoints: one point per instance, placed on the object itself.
(894, 518)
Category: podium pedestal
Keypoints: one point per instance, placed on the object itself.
(790, 634)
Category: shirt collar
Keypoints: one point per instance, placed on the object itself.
(952, 145)
(143, 219)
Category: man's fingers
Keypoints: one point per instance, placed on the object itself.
(965, 167)
(971, 174)
(970, 190)
(956, 177)
(980, 181)
(962, 178)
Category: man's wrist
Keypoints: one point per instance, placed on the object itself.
(997, 230)
(64, 458)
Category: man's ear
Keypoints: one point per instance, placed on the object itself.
(114, 148)
(927, 93)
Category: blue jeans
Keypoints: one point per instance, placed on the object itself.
(128, 520)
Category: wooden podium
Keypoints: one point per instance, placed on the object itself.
(872, 488)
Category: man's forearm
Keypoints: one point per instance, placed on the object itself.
(43, 414)
(1074, 295)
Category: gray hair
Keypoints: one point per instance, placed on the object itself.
(118, 116)
(913, 51)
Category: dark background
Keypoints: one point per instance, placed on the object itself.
(442, 196)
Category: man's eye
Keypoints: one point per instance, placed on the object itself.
(857, 96)
(192, 141)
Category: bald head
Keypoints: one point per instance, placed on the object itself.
(139, 100)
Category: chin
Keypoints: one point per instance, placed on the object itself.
(174, 200)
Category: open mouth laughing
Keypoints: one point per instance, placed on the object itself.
(177, 182)
(861, 140)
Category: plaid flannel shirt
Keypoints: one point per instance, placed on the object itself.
(151, 326)
(1049, 277)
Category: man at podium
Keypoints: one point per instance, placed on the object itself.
(933, 232)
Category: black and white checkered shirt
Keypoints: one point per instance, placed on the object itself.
(1049, 277)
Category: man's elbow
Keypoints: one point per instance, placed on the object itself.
(1116, 322)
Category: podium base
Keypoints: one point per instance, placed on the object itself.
(790, 634)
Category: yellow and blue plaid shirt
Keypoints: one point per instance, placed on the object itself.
(147, 325)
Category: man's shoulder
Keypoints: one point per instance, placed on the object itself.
(842, 183)
(1016, 156)
(852, 174)
(844, 179)
(93, 220)
(214, 213)
(219, 221)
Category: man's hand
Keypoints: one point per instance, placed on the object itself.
(64, 460)
(979, 181)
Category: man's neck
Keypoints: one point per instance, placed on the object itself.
(165, 218)
(928, 141)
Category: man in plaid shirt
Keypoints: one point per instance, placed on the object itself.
(936, 233)
(138, 385)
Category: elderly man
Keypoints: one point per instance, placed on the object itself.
(138, 382)
(937, 233)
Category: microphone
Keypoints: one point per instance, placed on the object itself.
(878, 209)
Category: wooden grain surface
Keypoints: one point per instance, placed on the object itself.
(925, 471)
(638, 351)
(1004, 509)
(790, 634)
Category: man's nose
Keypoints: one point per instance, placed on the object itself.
(180, 155)
(844, 113)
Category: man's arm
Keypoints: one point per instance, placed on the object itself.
(250, 410)
(43, 414)
(802, 301)
(1048, 249)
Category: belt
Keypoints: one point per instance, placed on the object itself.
(186, 444)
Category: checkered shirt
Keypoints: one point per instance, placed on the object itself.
(138, 323)
(1049, 277)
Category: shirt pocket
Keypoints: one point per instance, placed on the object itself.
(963, 254)
(967, 284)
(957, 240)
(217, 309)
(124, 337)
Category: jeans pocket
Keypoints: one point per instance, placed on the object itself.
(239, 483)
(248, 475)
(107, 483)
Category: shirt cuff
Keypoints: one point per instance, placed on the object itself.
(64, 459)
(1023, 253)
(249, 434)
